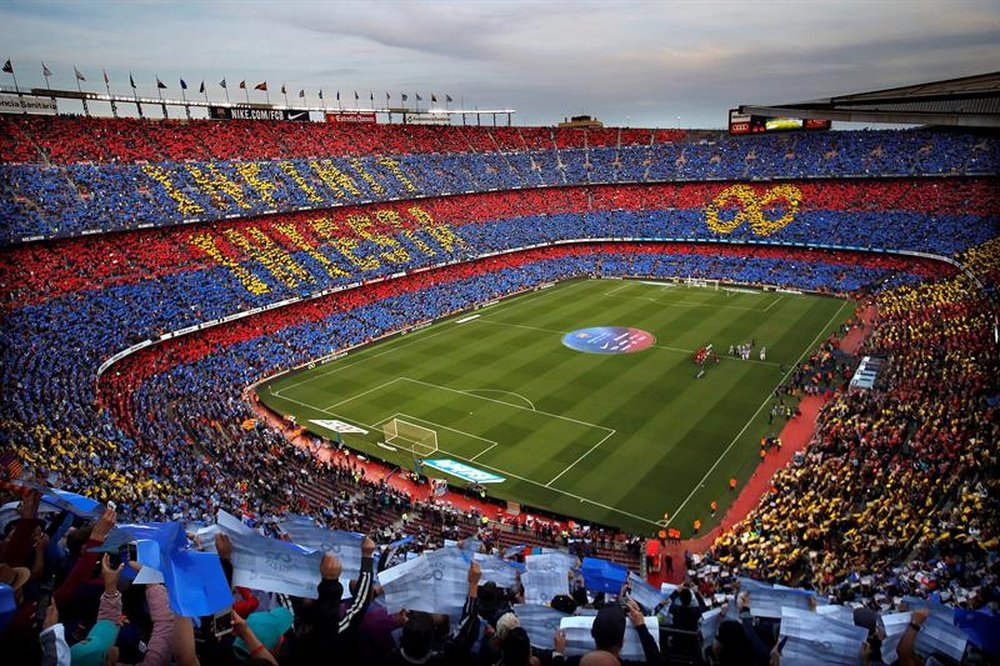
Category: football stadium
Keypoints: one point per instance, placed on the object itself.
(301, 380)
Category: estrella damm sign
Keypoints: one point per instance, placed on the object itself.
(765, 213)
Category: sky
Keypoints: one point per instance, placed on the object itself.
(645, 63)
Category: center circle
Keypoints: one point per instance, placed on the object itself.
(609, 340)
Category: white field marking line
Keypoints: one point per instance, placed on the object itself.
(795, 365)
(514, 301)
(363, 393)
(437, 425)
(486, 390)
(484, 320)
(573, 464)
(617, 289)
(685, 304)
(501, 402)
(489, 467)
(337, 367)
(773, 303)
(484, 451)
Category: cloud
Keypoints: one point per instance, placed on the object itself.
(646, 61)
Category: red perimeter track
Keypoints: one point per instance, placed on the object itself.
(794, 437)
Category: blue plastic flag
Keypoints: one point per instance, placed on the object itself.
(196, 584)
(603, 576)
(76, 504)
(982, 629)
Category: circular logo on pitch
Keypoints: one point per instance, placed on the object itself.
(609, 340)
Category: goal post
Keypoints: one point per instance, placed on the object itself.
(422, 441)
(702, 283)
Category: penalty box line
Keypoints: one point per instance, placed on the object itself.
(497, 470)
(608, 431)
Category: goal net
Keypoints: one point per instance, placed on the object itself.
(405, 435)
(702, 283)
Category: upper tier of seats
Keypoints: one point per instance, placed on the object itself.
(70, 176)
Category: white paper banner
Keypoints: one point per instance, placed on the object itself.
(541, 623)
(579, 641)
(815, 639)
(261, 563)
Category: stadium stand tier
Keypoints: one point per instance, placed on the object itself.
(154, 271)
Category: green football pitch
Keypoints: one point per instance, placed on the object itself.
(617, 439)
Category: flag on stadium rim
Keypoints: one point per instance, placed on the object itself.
(243, 84)
(160, 84)
(261, 86)
(448, 98)
(79, 76)
(356, 98)
(131, 81)
(434, 97)
(222, 83)
(338, 95)
(371, 95)
(202, 88)
(283, 91)
(45, 70)
(403, 96)
(107, 81)
(7, 67)
(184, 85)
(321, 93)
(388, 97)
(302, 93)
(419, 98)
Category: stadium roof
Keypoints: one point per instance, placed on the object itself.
(971, 101)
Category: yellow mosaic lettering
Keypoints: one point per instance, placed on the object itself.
(367, 177)
(185, 205)
(310, 191)
(327, 228)
(334, 178)
(250, 172)
(277, 261)
(393, 166)
(442, 233)
(390, 216)
(206, 243)
(215, 184)
(294, 235)
(362, 225)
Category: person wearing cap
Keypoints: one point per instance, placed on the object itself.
(608, 632)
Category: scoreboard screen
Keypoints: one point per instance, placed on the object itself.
(742, 123)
